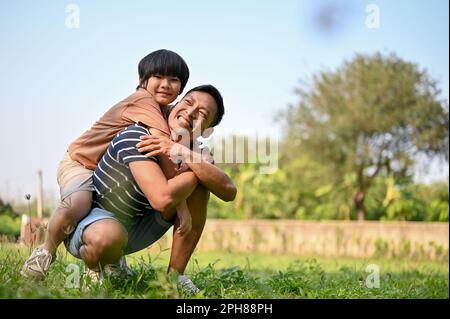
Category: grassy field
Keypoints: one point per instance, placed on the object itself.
(230, 275)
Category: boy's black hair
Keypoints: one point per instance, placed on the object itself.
(211, 90)
(163, 62)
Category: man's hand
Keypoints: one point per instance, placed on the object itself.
(160, 145)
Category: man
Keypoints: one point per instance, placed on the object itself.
(135, 203)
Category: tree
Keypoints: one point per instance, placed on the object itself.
(7, 209)
(372, 115)
(258, 195)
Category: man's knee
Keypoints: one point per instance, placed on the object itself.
(105, 235)
(198, 204)
(201, 194)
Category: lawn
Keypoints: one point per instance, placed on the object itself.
(232, 275)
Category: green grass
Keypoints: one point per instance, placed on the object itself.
(232, 275)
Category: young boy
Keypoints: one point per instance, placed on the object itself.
(163, 74)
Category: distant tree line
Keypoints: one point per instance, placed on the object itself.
(350, 147)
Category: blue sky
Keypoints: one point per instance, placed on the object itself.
(56, 81)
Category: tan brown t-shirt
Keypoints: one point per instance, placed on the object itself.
(139, 107)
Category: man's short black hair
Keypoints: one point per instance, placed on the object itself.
(211, 90)
(163, 62)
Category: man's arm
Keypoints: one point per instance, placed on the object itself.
(169, 170)
(163, 194)
(209, 175)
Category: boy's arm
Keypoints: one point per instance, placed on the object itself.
(167, 166)
(147, 112)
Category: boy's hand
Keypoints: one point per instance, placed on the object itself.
(183, 168)
(160, 145)
(185, 217)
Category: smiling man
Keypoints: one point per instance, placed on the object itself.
(135, 203)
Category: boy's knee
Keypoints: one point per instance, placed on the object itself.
(70, 211)
(73, 208)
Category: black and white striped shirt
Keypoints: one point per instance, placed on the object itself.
(115, 188)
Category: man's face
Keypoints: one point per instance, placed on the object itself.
(196, 111)
(164, 89)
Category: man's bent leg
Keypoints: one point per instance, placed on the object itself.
(104, 242)
(183, 246)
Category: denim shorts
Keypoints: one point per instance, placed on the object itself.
(142, 231)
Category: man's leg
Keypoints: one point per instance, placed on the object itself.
(183, 246)
(104, 242)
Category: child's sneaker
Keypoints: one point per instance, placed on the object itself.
(37, 265)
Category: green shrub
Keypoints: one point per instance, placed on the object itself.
(10, 226)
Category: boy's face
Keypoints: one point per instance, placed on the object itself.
(164, 89)
(196, 111)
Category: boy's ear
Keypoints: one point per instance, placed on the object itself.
(207, 132)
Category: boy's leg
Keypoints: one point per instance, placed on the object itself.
(183, 246)
(62, 222)
(65, 218)
(76, 187)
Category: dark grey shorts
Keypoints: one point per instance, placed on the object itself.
(141, 234)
